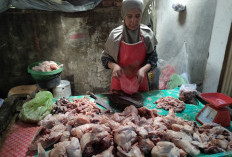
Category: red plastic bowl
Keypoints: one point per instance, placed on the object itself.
(217, 99)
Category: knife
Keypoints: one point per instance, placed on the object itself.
(101, 102)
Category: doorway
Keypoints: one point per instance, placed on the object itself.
(225, 82)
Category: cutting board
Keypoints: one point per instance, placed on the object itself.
(121, 101)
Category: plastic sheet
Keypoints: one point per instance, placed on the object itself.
(56, 5)
(4, 5)
(174, 72)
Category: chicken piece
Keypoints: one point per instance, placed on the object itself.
(74, 148)
(47, 66)
(129, 110)
(47, 137)
(143, 121)
(41, 151)
(78, 120)
(146, 145)
(132, 120)
(107, 153)
(125, 136)
(165, 149)
(59, 149)
(53, 66)
(196, 137)
(109, 122)
(197, 141)
(183, 141)
(65, 136)
(94, 118)
(117, 117)
(93, 143)
(82, 129)
(213, 150)
(221, 143)
(51, 120)
(147, 113)
(204, 137)
(134, 152)
(219, 130)
(185, 128)
(141, 131)
(158, 124)
(170, 102)
(229, 147)
(172, 119)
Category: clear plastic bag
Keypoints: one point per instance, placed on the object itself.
(188, 93)
(174, 72)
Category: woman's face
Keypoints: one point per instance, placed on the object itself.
(133, 19)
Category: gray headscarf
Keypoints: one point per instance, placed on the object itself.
(131, 36)
(127, 5)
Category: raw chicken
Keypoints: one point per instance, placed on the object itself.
(134, 152)
(107, 153)
(47, 66)
(125, 136)
(74, 148)
(183, 141)
(165, 149)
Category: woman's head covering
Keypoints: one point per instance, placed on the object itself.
(127, 5)
(131, 36)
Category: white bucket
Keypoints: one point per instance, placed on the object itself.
(62, 90)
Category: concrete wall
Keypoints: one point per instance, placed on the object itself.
(219, 39)
(77, 39)
(74, 39)
(194, 26)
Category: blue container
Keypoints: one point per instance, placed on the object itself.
(1, 101)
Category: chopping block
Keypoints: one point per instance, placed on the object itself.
(122, 100)
(23, 90)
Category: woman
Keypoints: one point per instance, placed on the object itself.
(130, 50)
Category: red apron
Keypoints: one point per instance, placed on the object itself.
(131, 57)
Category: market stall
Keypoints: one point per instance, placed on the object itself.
(16, 142)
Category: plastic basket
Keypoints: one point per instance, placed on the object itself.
(38, 75)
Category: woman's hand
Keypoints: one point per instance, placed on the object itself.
(117, 70)
(142, 71)
(140, 75)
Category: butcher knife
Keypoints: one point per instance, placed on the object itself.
(101, 102)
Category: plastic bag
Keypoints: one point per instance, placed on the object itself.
(37, 108)
(4, 5)
(174, 72)
(129, 85)
(188, 93)
(179, 6)
(56, 5)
